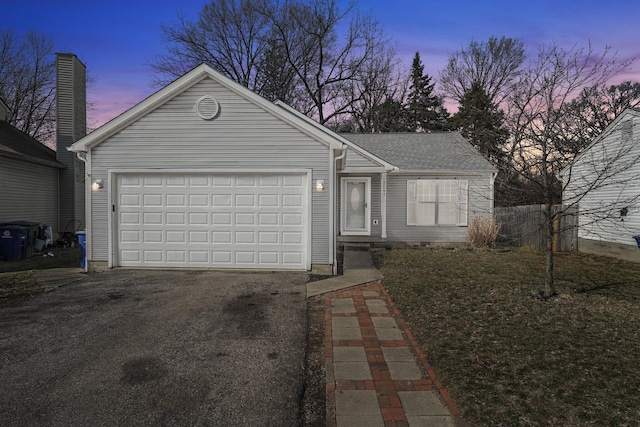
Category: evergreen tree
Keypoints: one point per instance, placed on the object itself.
(425, 109)
(390, 116)
(481, 122)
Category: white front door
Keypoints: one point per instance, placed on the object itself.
(356, 206)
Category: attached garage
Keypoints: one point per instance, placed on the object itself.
(212, 220)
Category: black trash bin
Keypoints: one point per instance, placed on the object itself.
(13, 242)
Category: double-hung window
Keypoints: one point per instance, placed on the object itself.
(437, 202)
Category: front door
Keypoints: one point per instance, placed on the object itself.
(355, 206)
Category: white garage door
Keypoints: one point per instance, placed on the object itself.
(220, 221)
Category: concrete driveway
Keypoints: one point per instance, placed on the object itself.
(145, 347)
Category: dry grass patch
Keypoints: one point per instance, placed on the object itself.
(509, 359)
(17, 281)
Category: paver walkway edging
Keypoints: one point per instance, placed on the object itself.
(376, 372)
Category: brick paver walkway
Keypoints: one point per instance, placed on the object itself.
(376, 374)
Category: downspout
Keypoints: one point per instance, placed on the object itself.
(494, 175)
(334, 189)
(383, 200)
(82, 156)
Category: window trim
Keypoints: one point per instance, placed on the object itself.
(461, 202)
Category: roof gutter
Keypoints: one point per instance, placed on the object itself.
(82, 156)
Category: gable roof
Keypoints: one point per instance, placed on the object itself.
(634, 112)
(15, 143)
(437, 151)
(201, 72)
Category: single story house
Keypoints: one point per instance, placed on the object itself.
(205, 173)
(604, 182)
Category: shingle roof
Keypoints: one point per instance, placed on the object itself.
(15, 143)
(437, 151)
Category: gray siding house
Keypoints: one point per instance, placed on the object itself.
(28, 177)
(438, 184)
(38, 184)
(604, 182)
(205, 173)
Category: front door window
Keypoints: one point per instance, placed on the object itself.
(355, 206)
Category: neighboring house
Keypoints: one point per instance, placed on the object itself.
(604, 181)
(38, 184)
(28, 177)
(205, 173)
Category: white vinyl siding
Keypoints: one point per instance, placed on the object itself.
(610, 169)
(437, 202)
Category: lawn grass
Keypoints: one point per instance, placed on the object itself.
(17, 281)
(508, 358)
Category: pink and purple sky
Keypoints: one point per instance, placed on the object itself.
(116, 38)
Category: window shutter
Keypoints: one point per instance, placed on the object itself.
(411, 202)
(463, 204)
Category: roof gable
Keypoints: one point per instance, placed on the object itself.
(153, 102)
(626, 114)
(437, 151)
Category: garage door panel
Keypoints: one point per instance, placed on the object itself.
(198, 218)
(294, 219)
(229, 221)
(176, 236)
(245, 219)
(199, 257)
(178, 200)
(221, 200)
(152, 256)
(130, 200)
(268, 218)
(152, 200)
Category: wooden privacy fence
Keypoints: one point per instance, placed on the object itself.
(526, 226)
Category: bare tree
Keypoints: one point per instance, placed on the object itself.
(329, 48)
(379, 83)
(308, 52)
(28, 82)
(536, 119)
(492, 64)
(229, 35)
(589, 114)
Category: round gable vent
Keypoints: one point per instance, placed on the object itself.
(207, 107)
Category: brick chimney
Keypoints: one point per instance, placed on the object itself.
(71, 112)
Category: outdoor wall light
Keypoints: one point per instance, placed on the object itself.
(320, 184)
(97, 185)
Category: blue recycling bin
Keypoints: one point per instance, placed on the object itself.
(13, 242)
(31, 230)
(82, 241)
